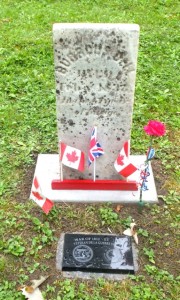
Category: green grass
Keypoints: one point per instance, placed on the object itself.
(28, 126)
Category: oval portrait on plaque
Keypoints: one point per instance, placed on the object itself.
(113, 255)
(82, 253)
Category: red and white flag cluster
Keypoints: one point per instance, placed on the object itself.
(71, 157)
(40, 200)
(122, 164)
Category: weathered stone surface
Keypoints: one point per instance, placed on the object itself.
(95, 68)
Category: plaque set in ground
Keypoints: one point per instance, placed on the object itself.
(98, 253)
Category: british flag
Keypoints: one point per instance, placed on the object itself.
(95, 149)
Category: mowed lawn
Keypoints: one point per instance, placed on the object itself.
(28, 237)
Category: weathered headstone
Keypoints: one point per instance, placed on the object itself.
(95, 68)
(99, 253)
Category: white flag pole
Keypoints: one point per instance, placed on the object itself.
(128, 154)
(94, 169)
(61, 171)
(60, 162)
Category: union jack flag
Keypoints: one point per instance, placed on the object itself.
(95, 149)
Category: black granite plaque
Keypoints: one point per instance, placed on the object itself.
(97, 253)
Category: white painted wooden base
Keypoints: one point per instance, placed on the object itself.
(47, 169)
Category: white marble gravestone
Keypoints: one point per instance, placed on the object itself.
(95, 69)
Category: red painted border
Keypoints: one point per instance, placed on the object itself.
(85, 184)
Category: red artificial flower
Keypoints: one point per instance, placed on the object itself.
(155, 128)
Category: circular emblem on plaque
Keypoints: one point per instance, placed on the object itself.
(82, 253)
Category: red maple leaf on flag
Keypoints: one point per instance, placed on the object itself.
(72, 156)
(120, 160)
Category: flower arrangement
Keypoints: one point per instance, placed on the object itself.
(153, 129)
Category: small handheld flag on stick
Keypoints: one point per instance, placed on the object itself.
(122, 164)
(71, 157)
(40, 200)
(95, 150)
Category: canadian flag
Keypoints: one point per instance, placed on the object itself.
(36, 196)
(122, 164)
(71, 157)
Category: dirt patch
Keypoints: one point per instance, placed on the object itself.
(160, 177)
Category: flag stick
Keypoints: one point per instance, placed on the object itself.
(61, 171)
(128, 154)
(94, 169)
(60, 162)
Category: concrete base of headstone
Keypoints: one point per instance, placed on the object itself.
(91, 275)
(47, 169)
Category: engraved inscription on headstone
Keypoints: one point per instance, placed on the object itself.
(95, 68)
(97, 253)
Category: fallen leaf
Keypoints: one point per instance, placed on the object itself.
(36, 295)
(135, 236)
(127, 232)
(29, 289)
(33, 292)
(133, 228)
(38, 282)
(118, 208)
(132, 231)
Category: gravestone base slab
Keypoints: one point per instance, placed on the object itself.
(111, 256)
(47, 169)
